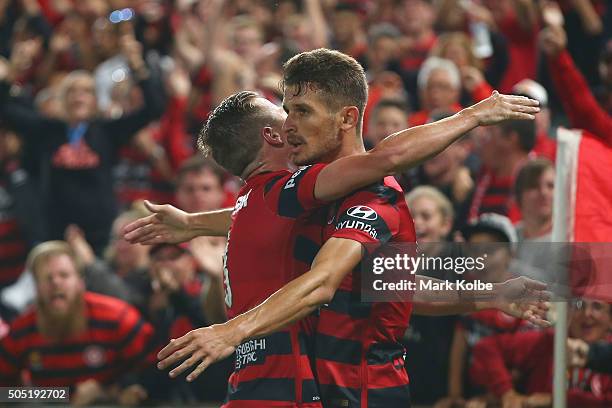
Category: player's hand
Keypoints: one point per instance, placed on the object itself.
(524, 298)
(203, 346)
(498, 108)
(167, 224)
(577, 352)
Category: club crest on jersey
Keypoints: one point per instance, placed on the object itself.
(363, 212)
(35, 360)
(241, 202)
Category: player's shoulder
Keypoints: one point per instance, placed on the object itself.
(383, 192)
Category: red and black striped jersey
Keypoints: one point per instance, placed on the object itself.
(359, 357)
(117, 340)
(263, 242)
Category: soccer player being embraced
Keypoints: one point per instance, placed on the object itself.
(324, 94)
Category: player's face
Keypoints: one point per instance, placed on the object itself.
(590, 320)
(387, 121)
(429, 223)
(538, 201)
(312, 128)
(59, 286)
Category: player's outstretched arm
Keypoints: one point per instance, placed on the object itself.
(292, 302)
(169, 224)
(519, 297)
(410, 147)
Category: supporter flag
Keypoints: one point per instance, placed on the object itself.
(583, 205)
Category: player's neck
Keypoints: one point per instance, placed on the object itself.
(352, 145)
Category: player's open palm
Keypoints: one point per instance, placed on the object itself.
(201, 347)
(167, 224)
(498, 108)
(526, 299)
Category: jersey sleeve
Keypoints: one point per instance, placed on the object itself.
(368, 216)
(293, 194)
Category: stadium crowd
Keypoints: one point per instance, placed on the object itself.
(101, 102)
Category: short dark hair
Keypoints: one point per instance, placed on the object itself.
(231, 133)
(197, 164)
(529, 175)
(526, 131)
(338, 76)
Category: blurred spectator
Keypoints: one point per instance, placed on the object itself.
(432, 212)
(74, 338)
(147, 167)
(387, 117)
(439, 84)
(603, 92)
(200, 185)
(78, 151)
(494, 235)
(511, 141)
(382, 50)
(415, 18)
(545, 145)
(448, 172)
(580, 106)
(114, 66)
(21, 215)
(429, 337)
(348, 29)
(517, 20)
(595, 356)
(476, 76)
(175, 308)
(534, 189)
(530, 355)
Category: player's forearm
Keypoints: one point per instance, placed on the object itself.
(211, 223)
(289, 304)
(397, 152)
(409, 148)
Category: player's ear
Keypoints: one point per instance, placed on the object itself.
(271, 136)
(349, 117)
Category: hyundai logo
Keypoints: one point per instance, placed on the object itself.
(363, 212)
